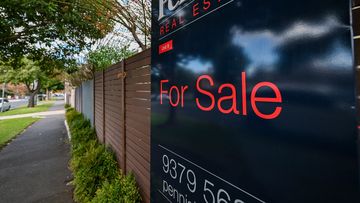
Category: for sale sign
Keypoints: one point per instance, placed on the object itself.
(253, 101)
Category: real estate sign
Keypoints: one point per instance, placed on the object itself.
(253, 101)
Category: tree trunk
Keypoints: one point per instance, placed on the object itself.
(33, 93)
(47, 94)
(31, 102)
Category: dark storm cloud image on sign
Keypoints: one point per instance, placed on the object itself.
(253, 101)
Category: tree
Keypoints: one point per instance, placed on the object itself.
(105, 56)
(133, 15)
(29, 73)
(53, 28)
(51, 84)
(97, 60)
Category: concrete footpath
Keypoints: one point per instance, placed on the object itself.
(34, 166)
(39, 114)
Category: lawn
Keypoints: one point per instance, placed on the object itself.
(43, 106)
(12, 127)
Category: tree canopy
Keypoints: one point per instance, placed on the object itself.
(105, 56)
(54, 28)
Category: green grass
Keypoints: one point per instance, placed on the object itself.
(12, 127)
(42, 106)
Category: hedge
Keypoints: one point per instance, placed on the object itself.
(97, 178)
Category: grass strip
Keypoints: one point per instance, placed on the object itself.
(26, 110)
(12, 127)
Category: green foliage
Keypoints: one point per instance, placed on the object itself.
(105, 56)
(96, 166)
(50, 27)
(41, 107)
(53, 84)
(34, 74)
(97, 177)
(71, 115)
(27, 72)
(67, 106)
(122, 190)
(12, 127)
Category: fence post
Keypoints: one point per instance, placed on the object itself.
(123, 95)
(103, 105)
(81, 98)
(93, 99)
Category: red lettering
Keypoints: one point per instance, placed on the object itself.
(161, 89)
(173, 25)
(206, 5)
(277, 99)
(183, 89)
(161, 30)
(177, 96)
(181, 20)
(207, 77)
(243, 93)
(195, 9)
(167, 27)
(231, 97)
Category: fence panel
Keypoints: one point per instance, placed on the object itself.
(137, 120)
(99, 105)
(78, 99)
(87, 93)
(113, 108)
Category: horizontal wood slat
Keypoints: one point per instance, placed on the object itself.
(356, 21)
(138, 72)
(140, 79)
(356, 3)
(139, 56)
(138, 94)
(138, 64)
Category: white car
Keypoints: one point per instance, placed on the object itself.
(7, 105)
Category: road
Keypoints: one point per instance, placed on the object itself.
(15, 103)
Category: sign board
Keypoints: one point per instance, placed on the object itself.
(253, 101)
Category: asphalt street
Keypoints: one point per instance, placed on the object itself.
(17, 103)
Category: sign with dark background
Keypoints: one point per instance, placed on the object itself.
(253, 101)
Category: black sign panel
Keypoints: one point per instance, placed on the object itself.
(253, 101)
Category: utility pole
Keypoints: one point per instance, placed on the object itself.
(3, 95)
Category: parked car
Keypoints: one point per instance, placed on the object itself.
(7, 105)
(58, 96)
(41, 97)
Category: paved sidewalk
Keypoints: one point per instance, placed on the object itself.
(39, 114)
(34, 166)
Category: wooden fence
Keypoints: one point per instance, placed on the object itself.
(122, 115)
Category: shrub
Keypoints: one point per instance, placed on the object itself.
(94, 168)
(71, 115)
(97, 177)
(67, 106)
(122, 190)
